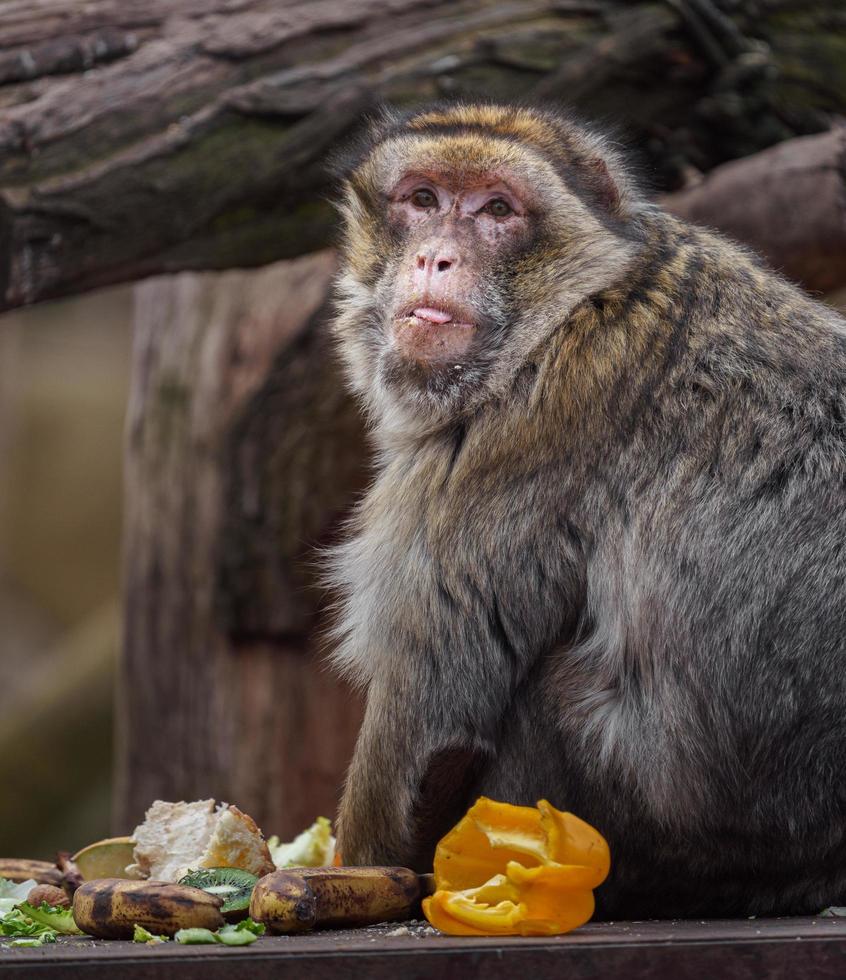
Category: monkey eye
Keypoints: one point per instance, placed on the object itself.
(423, 198)
(498, 207)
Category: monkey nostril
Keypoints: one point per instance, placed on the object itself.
(443, 265)
(421, 262)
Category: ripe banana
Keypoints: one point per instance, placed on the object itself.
(301, 898)
(284, 903)
(109, 908)
(20, 869)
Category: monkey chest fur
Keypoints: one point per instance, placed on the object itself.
(479, 592)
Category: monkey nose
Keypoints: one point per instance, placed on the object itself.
(435, 262)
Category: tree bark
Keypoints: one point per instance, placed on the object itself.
(243, 449)
(787, 202)
(142, 136)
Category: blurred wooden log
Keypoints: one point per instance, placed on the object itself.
(787, 202)
(145, 136)
(242, 452)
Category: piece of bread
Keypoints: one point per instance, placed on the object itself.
(178, 837)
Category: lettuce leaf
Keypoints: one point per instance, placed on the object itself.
(13, 892)
(195, 937)
(15, 923)
(240, 933)
(141, 935)
(237, 934)
(31, 943)
(25, 922)
(313, 848)
(58, 919)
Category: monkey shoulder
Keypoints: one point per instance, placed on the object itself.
(742, 369)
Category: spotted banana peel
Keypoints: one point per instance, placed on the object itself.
(109, 908)
(299, 899)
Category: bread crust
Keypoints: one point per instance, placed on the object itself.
(177, 837)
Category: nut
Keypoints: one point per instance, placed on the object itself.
(50, 894)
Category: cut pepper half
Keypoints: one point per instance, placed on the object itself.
(516, 870)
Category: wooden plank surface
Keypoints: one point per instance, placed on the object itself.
(809, 948)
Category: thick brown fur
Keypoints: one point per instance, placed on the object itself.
(607, 564)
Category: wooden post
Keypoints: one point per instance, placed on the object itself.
(243, 450)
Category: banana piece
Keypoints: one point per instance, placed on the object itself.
(20, 869)
(284, 903)
(109, 908)
(299, 899)
(360, 896)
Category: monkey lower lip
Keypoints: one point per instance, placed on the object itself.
(435, 317)
(432, 315)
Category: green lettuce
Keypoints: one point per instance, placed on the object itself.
(32, 943)
(13, 892)
(141, 935)
(58, 919)
(313, 848)
(240, 933)
(15, 923)
(237, 934)
(195, 937)
(31, 926)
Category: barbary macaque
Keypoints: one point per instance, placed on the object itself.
(603, 559)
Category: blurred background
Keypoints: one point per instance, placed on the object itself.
(64, 380)
(175, 439)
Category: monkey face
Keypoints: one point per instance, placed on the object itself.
(469, 238)
(437, 281)
(448, 303)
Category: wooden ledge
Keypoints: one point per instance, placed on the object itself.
(811, 948)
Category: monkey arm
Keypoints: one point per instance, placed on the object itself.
(403, 790)
(408, 779)
(436, 703)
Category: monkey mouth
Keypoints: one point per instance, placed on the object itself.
(438, 315)
(432, 335)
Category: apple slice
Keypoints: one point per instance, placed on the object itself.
(106, 858)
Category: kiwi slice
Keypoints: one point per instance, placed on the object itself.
(232, 885)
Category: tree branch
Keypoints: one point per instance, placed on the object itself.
(146, 136)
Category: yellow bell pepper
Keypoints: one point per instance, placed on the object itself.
(507, 870)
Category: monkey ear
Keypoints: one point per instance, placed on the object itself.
(602, 184)
(349, 153)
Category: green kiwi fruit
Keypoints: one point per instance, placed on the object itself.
(232, 885)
